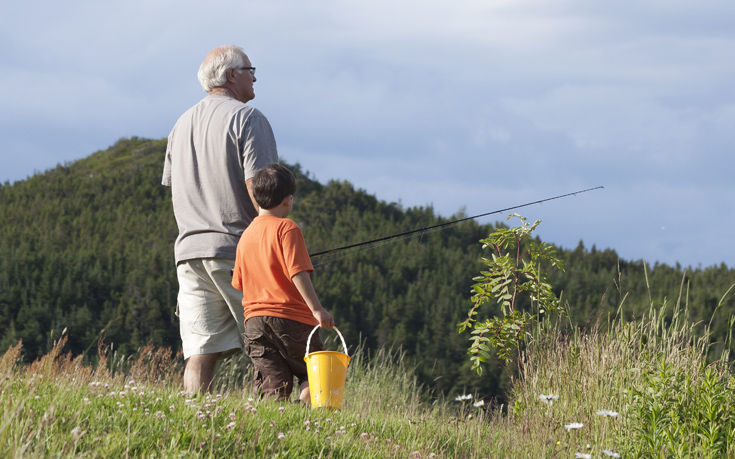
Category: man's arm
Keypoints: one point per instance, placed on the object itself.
(303, 284)
(249, 185)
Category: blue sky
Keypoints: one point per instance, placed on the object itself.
(465, 105)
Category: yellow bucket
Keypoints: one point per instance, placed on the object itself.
(326, 371)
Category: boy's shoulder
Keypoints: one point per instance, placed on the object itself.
(272, 223)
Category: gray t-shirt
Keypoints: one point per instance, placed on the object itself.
(213, 148)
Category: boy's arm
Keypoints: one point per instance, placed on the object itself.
(303, 284)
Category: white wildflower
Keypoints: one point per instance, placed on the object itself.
(281, 435)
(462, 398)
(573, 425)
(479, 403)
(608, 413)
(610, 453)
(230, 426)
(77, 433)
(583, 455)
(549, 399)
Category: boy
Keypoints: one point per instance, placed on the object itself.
(272, 269)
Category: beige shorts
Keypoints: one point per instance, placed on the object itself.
(209, 308)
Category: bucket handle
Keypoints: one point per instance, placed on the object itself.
(308, 341)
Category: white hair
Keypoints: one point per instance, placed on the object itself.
(213, 71)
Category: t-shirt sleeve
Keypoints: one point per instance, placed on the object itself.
(166, 179)
(295, 254)
(236, 272)
(259, 145)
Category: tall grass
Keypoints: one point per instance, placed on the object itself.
(648, 388)
(644, 388)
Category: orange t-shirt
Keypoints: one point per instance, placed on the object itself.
(270, 252)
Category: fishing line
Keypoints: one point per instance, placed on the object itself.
(405, 234)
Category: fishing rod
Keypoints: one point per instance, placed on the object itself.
(440, 225)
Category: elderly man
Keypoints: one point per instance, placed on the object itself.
(213, 152)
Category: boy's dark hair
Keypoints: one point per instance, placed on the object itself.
(272, 184)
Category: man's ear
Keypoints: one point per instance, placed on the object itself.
(230, 75)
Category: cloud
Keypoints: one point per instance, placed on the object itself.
(471, 104)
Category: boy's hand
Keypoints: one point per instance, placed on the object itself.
(325, 318)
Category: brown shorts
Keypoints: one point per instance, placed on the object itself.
(277, 347)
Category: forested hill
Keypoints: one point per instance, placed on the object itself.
(88, 246)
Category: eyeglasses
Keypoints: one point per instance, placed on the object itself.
(250, 69)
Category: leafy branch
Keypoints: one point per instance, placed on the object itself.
(510, 277)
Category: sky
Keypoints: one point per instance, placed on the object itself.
(466, 106)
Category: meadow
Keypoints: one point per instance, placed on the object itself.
(645, 388)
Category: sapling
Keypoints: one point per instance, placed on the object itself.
(512, 277)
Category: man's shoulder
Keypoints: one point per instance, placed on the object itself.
(222, 108)
(222, 104)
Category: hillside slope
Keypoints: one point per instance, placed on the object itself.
(88, 246)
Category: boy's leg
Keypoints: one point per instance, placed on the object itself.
(305, 393)
(291, 340)
(273, 377)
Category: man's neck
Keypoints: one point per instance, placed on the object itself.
(221, 92)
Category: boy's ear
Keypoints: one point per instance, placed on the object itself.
(285, 201)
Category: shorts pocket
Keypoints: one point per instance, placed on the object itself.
(253, 343)
(254, 350)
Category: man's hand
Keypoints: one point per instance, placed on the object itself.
(249, 186)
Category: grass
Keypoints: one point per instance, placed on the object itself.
(623, 389)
